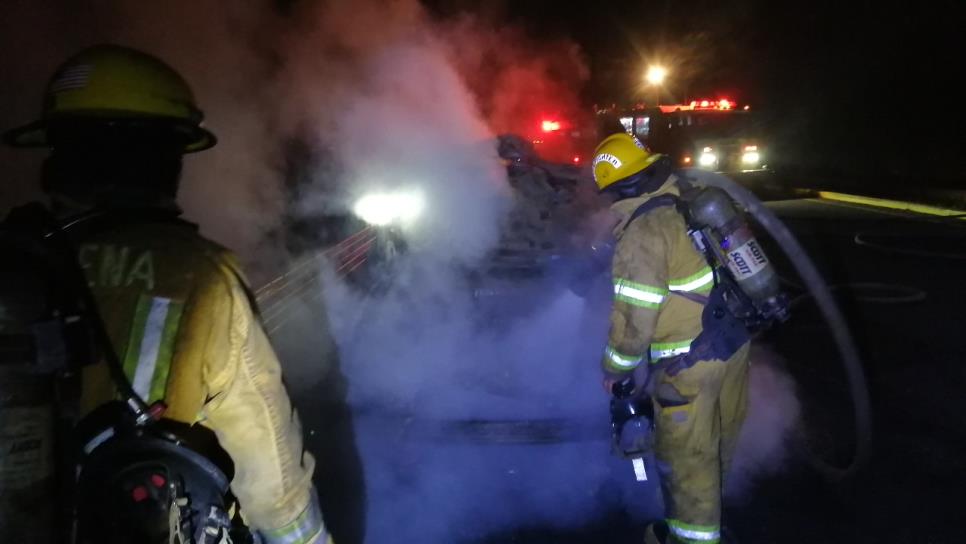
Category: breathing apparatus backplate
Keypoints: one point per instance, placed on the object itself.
(134, 464)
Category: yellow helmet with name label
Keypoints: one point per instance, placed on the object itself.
(619, 157)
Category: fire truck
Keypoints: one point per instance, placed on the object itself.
(717, 135)
(562, 141)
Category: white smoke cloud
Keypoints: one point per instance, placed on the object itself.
(773, 418)
(455, 398)
(441, 390)
(414, 127)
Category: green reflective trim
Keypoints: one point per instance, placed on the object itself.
(150, 348)
(703, 280)
(640, 286)
(692, 533)
(638, 303)
(638, 294)
(692, 526)
(620, 362)
(663, 350)
(308, 526)
(159, 384)
(136, 335)
(680, 536)
(697, 275)
(671, 345)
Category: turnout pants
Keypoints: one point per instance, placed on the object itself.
(698, 414)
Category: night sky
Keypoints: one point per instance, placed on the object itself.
(854, 89)
(851, 87)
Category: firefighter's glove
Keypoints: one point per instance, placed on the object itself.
(640, 375)
(611, 379)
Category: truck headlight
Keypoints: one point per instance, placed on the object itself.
(707, 158)
(381, 209)
(750, 157)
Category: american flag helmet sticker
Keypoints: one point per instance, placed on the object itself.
(75, 77)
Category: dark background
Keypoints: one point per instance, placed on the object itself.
(860, 89)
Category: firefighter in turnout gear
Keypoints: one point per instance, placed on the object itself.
(175, 306)
(664, 315)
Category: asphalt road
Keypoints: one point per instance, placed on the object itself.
(914, 486)
(899, 280)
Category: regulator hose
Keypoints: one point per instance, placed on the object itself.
(822, 295)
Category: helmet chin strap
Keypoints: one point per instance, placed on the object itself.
(646, 181)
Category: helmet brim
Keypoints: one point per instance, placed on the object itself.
(29, 135)
(202, 139)
(34, 135)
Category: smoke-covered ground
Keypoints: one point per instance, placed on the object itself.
(470, 427)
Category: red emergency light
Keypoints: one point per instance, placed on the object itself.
(550, 126)
(721, 104)
(576, 159)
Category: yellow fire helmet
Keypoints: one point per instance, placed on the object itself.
(619, 157)
(114, 83)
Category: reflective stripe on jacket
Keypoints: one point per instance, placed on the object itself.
(653, 259)
(178, 314)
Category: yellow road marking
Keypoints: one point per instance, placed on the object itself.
(893, 204)
(859, 207)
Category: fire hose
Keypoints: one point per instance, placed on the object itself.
(822, 295)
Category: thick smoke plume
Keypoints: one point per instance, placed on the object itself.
(517, 80)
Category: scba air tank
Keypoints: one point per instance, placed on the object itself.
(736, 247)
